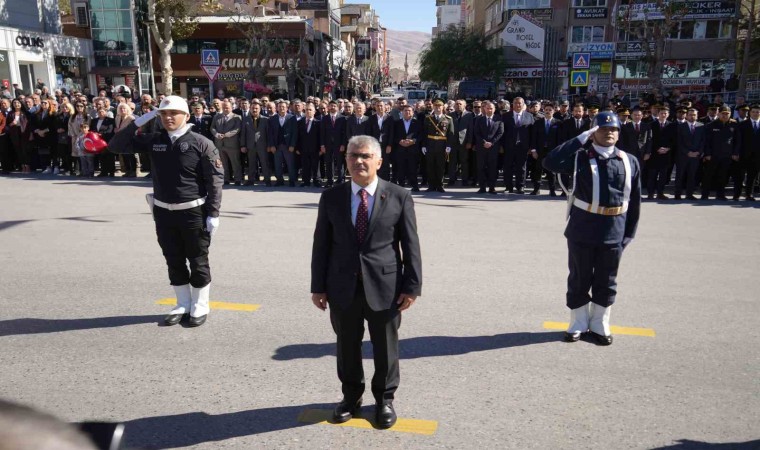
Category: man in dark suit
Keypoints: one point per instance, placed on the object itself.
(749, 156)
(254, 142)
(517, 141)
(105, 126)
(201, 122)
(545, 138)
(407, 133)
(575, 125)
(282, 142)
(333, 136)
(721, 147)
(488, 130)
(308, 145)
(691, 146)
(658, 158)
(636, 136)
(460, 153)
(366, 265)
(358, 124)
(380, 127)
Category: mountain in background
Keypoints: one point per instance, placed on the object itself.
(401, 43)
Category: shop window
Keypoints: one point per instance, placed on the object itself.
(589, 3)
(712, 29)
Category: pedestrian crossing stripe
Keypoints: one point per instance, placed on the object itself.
(217, 305)
(323, 417)
(630, 331)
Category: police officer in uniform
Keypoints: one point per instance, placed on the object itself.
(187, 194)
(603, 209)
(437, 139)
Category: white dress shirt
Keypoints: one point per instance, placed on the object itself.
(356, 198)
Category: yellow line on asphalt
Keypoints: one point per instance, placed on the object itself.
(631, 331)
(216, 305)
(323, 416)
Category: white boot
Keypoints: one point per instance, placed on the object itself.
(600, 324)
(183, 299)
(579, 323)
(200, 303)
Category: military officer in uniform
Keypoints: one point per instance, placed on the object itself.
(437, 139)
(187, 177)
(721, 147)
(603, 210)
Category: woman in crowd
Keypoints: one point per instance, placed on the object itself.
(62, 155)
(75, 131)
(104, 126)
(6, 162)
(123, 118)
(43, 133)
(17, 128)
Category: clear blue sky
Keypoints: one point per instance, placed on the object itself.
(404, 15)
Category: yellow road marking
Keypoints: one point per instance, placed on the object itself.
(323, 417)
(216, 305)
(631, 331)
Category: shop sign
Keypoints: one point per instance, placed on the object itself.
(525, 35)
(29, 41)
(681, 82)
(632, 50)
(232, 76)
(5, 67)
(598, 50)
(690, 10)
(591, 13)
(312, 4)
(242, 63)
(532, 72)
(70, 63)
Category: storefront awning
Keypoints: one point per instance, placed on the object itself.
(106, 71)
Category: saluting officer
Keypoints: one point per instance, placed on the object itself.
(437, 140)
(603, 213)
(187, 194)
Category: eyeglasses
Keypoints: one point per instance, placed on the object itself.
(364, 156)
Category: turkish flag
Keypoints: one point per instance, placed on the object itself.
(94, 143)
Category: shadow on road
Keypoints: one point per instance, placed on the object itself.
(686, 444)
(427, 346)
(15, 327)
(185, 430)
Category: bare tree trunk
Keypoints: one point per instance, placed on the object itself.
(747, 49)
(164, 42)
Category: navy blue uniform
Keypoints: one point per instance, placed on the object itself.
(596, 241)
(721, 143)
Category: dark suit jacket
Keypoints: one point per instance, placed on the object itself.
(106, 129)
(482, 133)
(400, 133)
(546, 141)
(636, 143)
(309, 142)
(688, 142)
(202, 126)
(356, 128)
(570, 131)
(389, 260)
(463, 127)
(662, 136)
(383, 134)
(333, 135)
(290, 128)
(749, 142)
(514, 134)
(255, 139)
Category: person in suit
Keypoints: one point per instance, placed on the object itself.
(721, 147)
(380, 127)
(691, 146)
(636, 135)
(407, 134)
(282, 142)
(254, 139)
(488, 130)
(658, 158)
(357, 124)
(603, 218)
(749, 147)
(459, 158)
(366, 265)
(545, 138)
(105, 126)
(333, 135)
(437, 139)
(308, 145)
(226, 129)
(576, 124)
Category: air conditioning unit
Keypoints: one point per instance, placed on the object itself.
(81, 16)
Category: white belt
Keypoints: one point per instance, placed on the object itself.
(602, 210)
(179, 206)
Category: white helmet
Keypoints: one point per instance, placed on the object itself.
(174, 102)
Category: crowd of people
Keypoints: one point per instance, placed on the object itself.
(430, 143)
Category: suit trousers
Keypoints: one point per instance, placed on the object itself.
(436, 163)
(262, 156)
(107, 163)
(406, 159)
(459, 158)
(741, 169)
(144, 162)
(753, 168)
(686, 174)
(335, 165)
(538, 171)
(514, 167)
(715, 176)
(233, 167)
(283, 155)
(183, 241)
(658, 174)
(487, 167)
(592, 268)
(310, 161)
(348, 325)
(384, 171)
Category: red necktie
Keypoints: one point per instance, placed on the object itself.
(637, 128)
(362, 217)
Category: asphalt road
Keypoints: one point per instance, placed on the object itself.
(82, 272)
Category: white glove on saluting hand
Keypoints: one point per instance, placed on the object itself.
(448, 149)
(424, 151)
(583, 137)
(145, 118)
(212, 223)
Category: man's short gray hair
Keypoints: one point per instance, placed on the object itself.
(363, 141)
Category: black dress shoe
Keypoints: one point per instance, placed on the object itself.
(305, 184)
(691, 197)
(174, 319)
(197, 321)
(492, 191)
(441, 190)
(280, 183)
(677, 197)
(599, 339)
(317, 184)
(534, 192)
(344, 411)
(226, 183)
(519, 191)
(552, 193)
(722, 198)
(736, 199)
(430, 189)
(662, 197)
(482, 191)
(572, 337)
(385, 416)
(750, 199)
(415, 189)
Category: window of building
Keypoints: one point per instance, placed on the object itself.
(111, 24)
(528, 4)
(675, 68)
(589, 3)
(631, 69)
(702, 29)
(583, 34)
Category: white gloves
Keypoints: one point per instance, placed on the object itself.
(448, 150)
(212, 223)
(424, 151)
(583, 137)
(145, 118)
